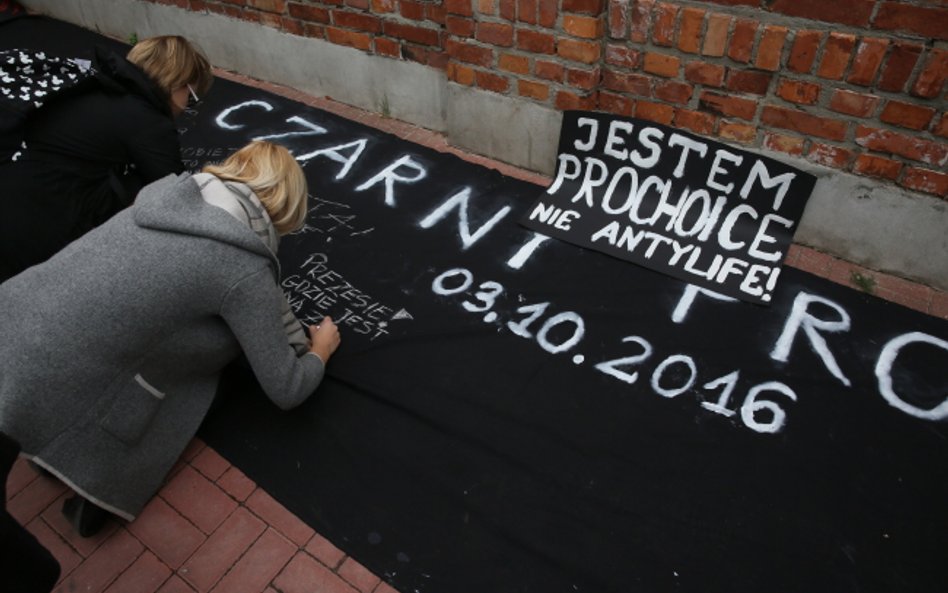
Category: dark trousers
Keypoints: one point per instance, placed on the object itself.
(25, 565)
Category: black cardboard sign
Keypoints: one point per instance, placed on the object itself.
(695, 209)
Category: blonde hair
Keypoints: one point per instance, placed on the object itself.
(272, 173)
(173, 62)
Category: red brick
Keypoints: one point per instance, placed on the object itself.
(743, 133)
(566, 100)
(917, 149)
(941, 128)
(696, 121)
(222, 549)
(877, 166)
(383, 47)
(460, 74)
(293, 26)
(36, 496)
(920, 20)
(618, 19)
(462, 7)
(549, 12)
(276, 515)
(868, 59)
(846, 12)
(925, 180)
(829, 155)
(491, 82)
(583, 79)
(803, 52)
(616, 104)
(527, 11)
(348, 38)
(358, 576)
(175, 585)
(715, 39)
(640, 20)
(198, 499)
(742, 41)
(354, 20)
(414, 11)
(146, 574)
(728, 105)
(673, 91)
(535, 42)
(500, 34)
(623, 55)
(277, 6)
(939, 304)
(852, 103)
(68, 558)
(166, 533)
(21, 474)
(422, 35)
(584, 27)
(907, 115)
(549, 70)
(583, 6)
(636, 84)
(804, 123)
(515, 64)
(689, 35)
(796, 91)
(657, 112)
(325, 551)
(748, 81)
(704, 73)
(384, 6)
(663, 32)
(792, 145)
(469, 53)
(662, 64)
(460, 26)
(210, 463)
(304, 575)
(508, 10)
(534, 90)
(771, 48)
(115, 555)
(933, 75)
(84, 545)
(309, 13)
(258, 566)
(839, 48)
(586, 52)
(899, 66)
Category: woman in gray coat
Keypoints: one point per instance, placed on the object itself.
(111, 350)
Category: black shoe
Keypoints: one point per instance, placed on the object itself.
(86, 518)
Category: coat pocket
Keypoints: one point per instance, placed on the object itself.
(133, 411)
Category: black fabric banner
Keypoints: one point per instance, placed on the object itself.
(698, 210)
(512, 413)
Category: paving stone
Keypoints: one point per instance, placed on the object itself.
(222, 549)
(201, 501)
(166, 533)
(255, 569)
(305, 574)
(145, 575)
(274, 513)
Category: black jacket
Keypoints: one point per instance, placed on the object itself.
(88, 152)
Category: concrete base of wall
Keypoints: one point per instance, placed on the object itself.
(881, 227)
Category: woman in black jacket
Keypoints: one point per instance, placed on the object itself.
(91, 149)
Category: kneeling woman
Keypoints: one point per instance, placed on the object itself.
(112, 349)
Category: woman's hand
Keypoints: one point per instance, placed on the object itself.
(324, 339)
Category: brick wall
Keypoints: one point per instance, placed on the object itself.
(857, 85)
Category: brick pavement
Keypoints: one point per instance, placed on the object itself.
(212, 530)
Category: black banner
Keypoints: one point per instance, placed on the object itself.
(695, 209)
(513, 414)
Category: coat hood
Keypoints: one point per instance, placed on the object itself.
(174, 204)
(117, 74)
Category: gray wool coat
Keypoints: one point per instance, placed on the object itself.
(110, 352)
